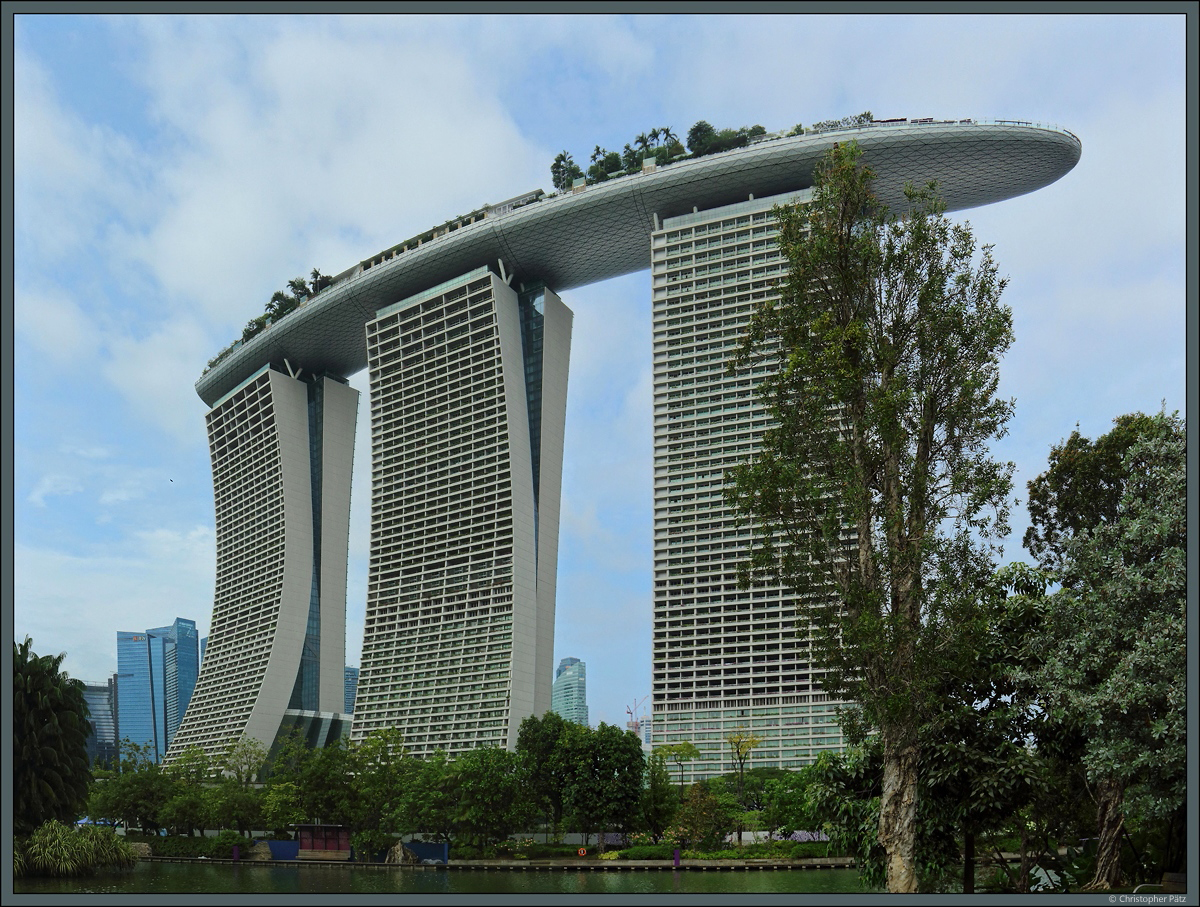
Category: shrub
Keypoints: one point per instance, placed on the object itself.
(55, 849)
(648, 852)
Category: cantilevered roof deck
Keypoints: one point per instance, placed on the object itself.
(603, 231)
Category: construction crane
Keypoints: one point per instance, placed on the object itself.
(635, 723)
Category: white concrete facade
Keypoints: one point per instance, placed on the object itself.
(262, 446)
(724, 657)
(459, 631)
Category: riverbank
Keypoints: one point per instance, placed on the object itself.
(596, 865)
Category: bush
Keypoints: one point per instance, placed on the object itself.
(55, 849)
(648, 852)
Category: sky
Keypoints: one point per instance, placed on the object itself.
(171, 173)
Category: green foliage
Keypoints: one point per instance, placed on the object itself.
(1081, 488)
(490, 795)
(432, 804)
(564, 171)
(1114, 655)
(56, 849)
(659, 800)
(605, 787)
(49, 746)
(383, 780)
(858, 119)
(879, 518)
(703, 139)
(704, 819)
(543, 745)
(680, 753)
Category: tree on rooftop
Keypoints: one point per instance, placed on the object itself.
(564, 171)
(874, 495)
(700, 136)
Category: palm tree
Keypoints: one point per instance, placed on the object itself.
(654, 134)
(299, 288)
(277, 305)
(50, 730)
(598, 155)
(642, 141)
(668, 137)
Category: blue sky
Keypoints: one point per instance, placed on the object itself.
(171, 173)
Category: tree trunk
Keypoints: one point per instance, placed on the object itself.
(1110, 820)
(898, 816)
(968, 861)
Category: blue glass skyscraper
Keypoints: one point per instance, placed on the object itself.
(156, 674)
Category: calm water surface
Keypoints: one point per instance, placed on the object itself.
(195, 878)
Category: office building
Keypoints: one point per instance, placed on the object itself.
(102, 745)
(468, 401)
(351, 689)
(156, 674)
(569, 694)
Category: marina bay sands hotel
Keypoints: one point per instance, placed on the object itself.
(467, 341)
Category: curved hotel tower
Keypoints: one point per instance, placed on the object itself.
(467, 342)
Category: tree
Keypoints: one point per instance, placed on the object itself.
(50, 730)
(995, 761)
(741, 744)
(1081, 489)
(433, 798)
(543, 744)
(873, 495)
(704, 819)
(700, 136)
(1116, 646)
(491, 802)
(680, 753)
(606, 784)
(383, 773)
(659, 802)
(564, 171)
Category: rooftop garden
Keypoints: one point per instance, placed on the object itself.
(660, 144)
(664, 147)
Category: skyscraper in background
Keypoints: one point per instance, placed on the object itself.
(156, 675)
(101, 699)
(351, 689)
(569, 695)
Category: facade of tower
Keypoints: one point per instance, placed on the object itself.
(569, 696)
(141, 711)
(101, 699)
(282, 450)
(468, 404)
(351, 689)
(181, 667)
(724, 658)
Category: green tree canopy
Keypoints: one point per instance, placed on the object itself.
(50, 730)
(873, 495)
(564, 171)
(1115, 650)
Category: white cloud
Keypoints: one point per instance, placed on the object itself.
(54, 324)
(151, 373)
(77, 603)
(52, 485)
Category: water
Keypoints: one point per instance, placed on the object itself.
(289, 878)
